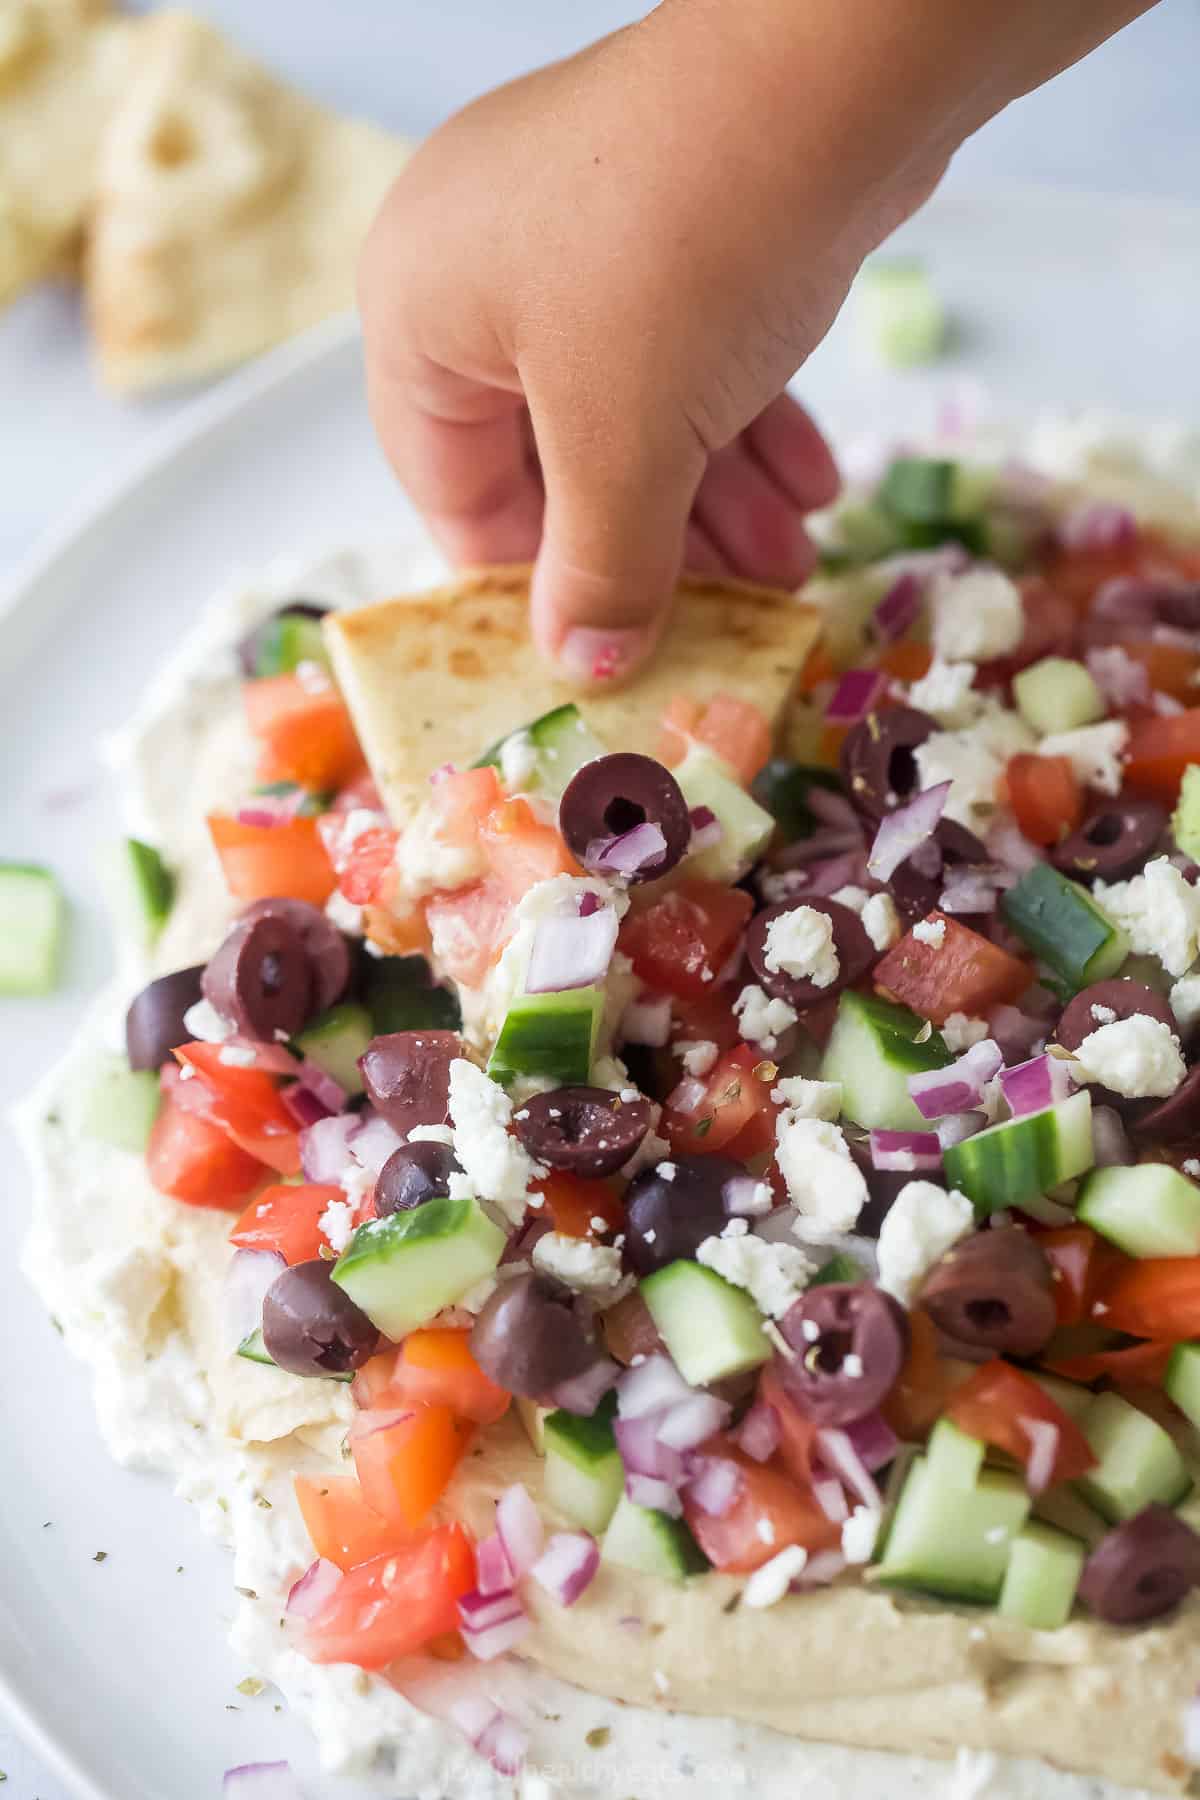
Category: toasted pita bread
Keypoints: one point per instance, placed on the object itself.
(61, 63)
(229, 210)
(437, 677)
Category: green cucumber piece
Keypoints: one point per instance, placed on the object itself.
(1063, 925)
(1185, 821)
(783, 787)
(953, 1541)
(651, 1542)
(310, 805)
(859, 532)
(954, 1457)
(32, 913)
(335, 1040)
(142, 890)
(286, 641)
(1068, 1396)
(553, 1035)
(1057, 694)
(1136, 1461)
(400, 995)
(900, 312)
(255, 1350)
(403, 1269)
(1042, 1577)
(840, 1267)
(1147, 1210)
(746, 827)
(1182, 1380)
(711, 1328)
(874, 1047)
(1023, 1158)
(120, 1104)
(933, 499)
(584, 1475)
(548, 751)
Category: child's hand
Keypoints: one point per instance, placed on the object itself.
(622, 259)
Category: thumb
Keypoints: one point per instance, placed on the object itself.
(612, 546)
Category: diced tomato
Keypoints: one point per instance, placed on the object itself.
(1160, 749)
(1078, 575)
(1138, 1365)
(706, 1018)
(1158, 1297)
(306, 736)
(999, 1402)
(360, 794)
(735, 1115)
(681, 943)
(394, 1604)
(194, 1161)
(963, 973)
(796, 1433)
(735, 729)
(363, 868)
(286, 1219)
(435, 1368)
(263, 862)
(1045, 794)
(521, 850)
(927, 1382)
(1073, 1253)
(397, 934)
(906, 661)
(629, 1330)
(462, 799)
(573, 1203)
(343, 1528)
(405, 1464)
(679, 723)
(771, 1512)
(1171, 668)
(469, 929)
(819, 667)
(248, 1107)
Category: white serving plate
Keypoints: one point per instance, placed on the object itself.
(118, 1672)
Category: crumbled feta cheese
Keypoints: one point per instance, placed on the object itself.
(800, 943)
(881, 921)
(1185, 1002)
(236, 1056)
(768, 1585)
(931, 932)
(975, 615)
(852, 1366)
(206, 1024)
(518, 761)
(665, 1171)
(946, 692)
(431, 1134)
(859, 1534)
(427, 864)
(960, 1031)
(1138, 1057)
(313, 676)
(808, 1099)
(610, 1072)
(1160, 910)
(1191, 1167)
(579, 1264)
(853, 897)
(697, 1055)
(972, 761)
(344, 914)
(772, 1274)
(765, 1530)
(337, 1224)
(1093, 751)
(355, 824)
(825, 1184)
(760, 1018)
(1103, 1015)
(496, 1166)
(735, 1228)
(922, 1223)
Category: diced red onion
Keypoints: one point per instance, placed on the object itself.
(830, 1496)
(905, 1150)
(1018, 1033)
(958, 1088)
(1111, 1147)
(900, 832)
(707, 829)
(374, 1142)
(318, 1081)
(760, 1432)
(854, 696)
(746, 1197)
(647, 1021)
(248, 1276)
(713, 1484)
(643, 1452)
(1097, 525)
(1043, 1437)
(260, 1781)
(571, 951)
(820, 1569)
(822, 878)
(1191, 1731)
(874, 1441)
(650, 1386)
(687, 1424)
(311, 1595)
(504, 1744)
(493, 1572)
(956, 1126)
(1166, 705)
(519, 1526)
(968, 891)
(582, 1394)
(567, 1565)
(1032, 1086)
(1176, 638)
(945, 559)
(325, 1147)
(479, 1612)
(260, 816)
(838, 1455)
(649, 1490)
(898, 609)
(305, 1106)
(1122, 681)
(496, 1640)
(629, 853)
(1008, 845)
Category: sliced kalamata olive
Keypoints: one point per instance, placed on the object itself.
(916, 885)
(850, 1341)
(589, 1130)
(1115, 842)
(629, 1330)
(993, 1294)
(261, 979)
(413, 1174)
(328, 948)
(613, 795)
(1142, 1568)
(407, 1076)
(529, 1337)
(1125, 999)
(1174, 1118)
(671, 1208)
(154, 1023)
(883, 1185)
(310, 1327)
(855, 953)
(251, 646)
(879, 769)
(1179, 605)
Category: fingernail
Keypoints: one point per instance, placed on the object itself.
(592, 655)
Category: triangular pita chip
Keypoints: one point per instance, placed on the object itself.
(438, 677)
(229, 210)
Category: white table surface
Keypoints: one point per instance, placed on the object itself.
(1124, 122)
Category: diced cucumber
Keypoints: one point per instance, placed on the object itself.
(1136, 1460)
(711, 1328)
(1057, 694)
(120, 1104)
(400, 995)
(284, 642)
(335, 1041)
(1189, 1510)
(549, 1034)
(585, 1477)
(533, 1420)
(746, 828)
(840, 1267)
(1072, 1399)
(954, 1457)
(1063, 925)
(32, 911)
(900, 312)
(141, 890)
(874, 1047)
(254, 1350)
(953, 1541)
(783, 787)
(403, 1269)
(933, 499)
(1182, 1381)
(650, 1542)
(1185, 821)
(1042, 1577)
(308, 803)
(1022, 1158)
(859, 531)
(1147, 1210)
(541, 757)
